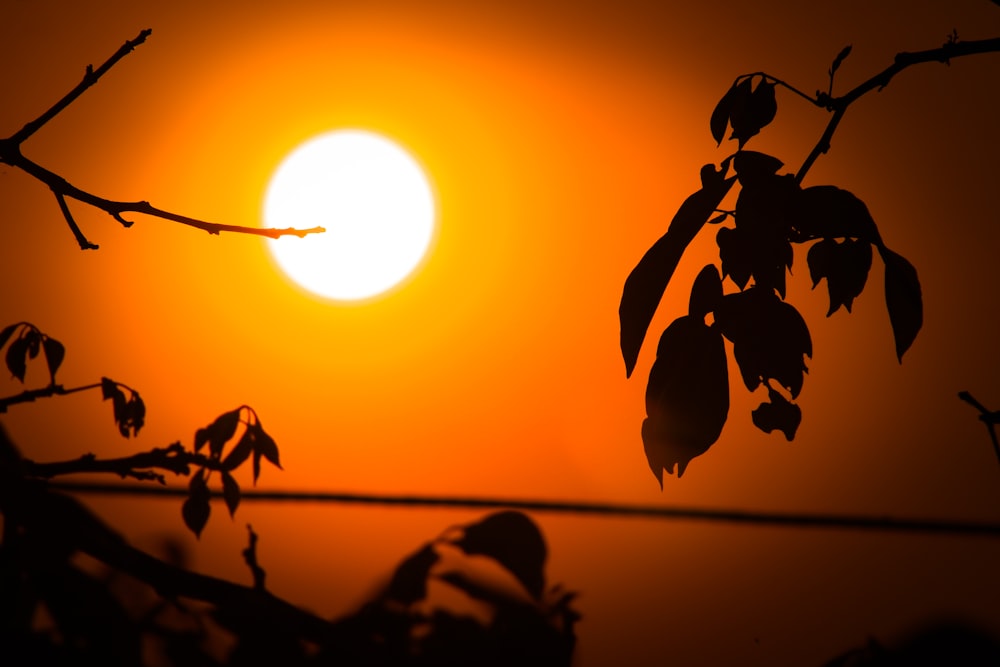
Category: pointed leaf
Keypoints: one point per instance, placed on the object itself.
(265, 444)
(513, 540)
(7, 332)
(646, 283)
(218, 433)
(720, 115)
(55, 352)
(687, 396)
(903, 300)
(196, 508)
(240, 452)
(17, 358)
(231, 492)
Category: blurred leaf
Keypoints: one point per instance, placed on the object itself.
(687, 396)
(409, 581)
(231, 492)
(902, 299)
(513, 540)
(845, 267)
(196, 508)
(752, 167)
(778, 414)
(705, 293)
(752, 111)
(17, 358)
(55, 352)
(240, 452)
(846, 51)
(136, 413)
(720, 115)
(646, 283)
(109, 388)
(7, 332)
(218, 433)
(265, 445)
(830, 212)
(34, 339)
(769, 338)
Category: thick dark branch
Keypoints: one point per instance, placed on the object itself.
(838, 105)
(789, 520)
(30, 395)
(173, 458)
(89, 79)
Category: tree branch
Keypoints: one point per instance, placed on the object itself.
(838, 105)
(29, 395)
(10, 153)
(172, 458)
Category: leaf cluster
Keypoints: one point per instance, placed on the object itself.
(687, 394)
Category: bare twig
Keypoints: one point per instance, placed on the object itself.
(788, 520)
(10, 153)
(838, 105)
(989, 417)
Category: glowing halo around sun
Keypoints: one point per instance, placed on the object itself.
(375, 203)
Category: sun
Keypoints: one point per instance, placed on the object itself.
(375, 202)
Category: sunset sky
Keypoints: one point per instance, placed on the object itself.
(559, 138)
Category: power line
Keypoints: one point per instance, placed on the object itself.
(779, 519)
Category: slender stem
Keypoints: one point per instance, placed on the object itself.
(30, 395)
(989, 417)
(789, 520)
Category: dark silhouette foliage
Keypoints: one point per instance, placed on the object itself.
(687, 392)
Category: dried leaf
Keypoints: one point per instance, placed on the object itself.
(231, 492)
(196, 507)
(902, 299)
(55, 352)
(687, 396)
(513, 540)
(646, 283)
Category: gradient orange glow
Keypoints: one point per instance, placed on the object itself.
(560, 143)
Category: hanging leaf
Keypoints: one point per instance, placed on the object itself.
(196, 508)
(263, 445)
(7, 332)
(705, 293)
(646, 283)
(240, 452)
(778, 414)
(752, 167)
(218, 433)
(769, 338)
(231, 492)
(55, 352)
(17, 358)
(687, 396)
(513, 540)
(845, 267)
(902, 299)
(34, 338)
(720, 115)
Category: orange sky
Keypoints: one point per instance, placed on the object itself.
(560, 139)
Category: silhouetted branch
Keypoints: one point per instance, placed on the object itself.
(30, 395)
(838, 105)
(10, 153)
(173, 458)
(989, 417)
(789, 520)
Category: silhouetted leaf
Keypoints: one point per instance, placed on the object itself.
(752, 111)
(646, 283)
(34, 339)
(687, 396)
(778, 414)
(720, 115)
(55, 352)
(513, 540)
(705, 293)
(830, 212)
(17, 358)
(196, 508)
(769, 338)
(240, 452)
(846, 51)
(845, 267)
(265, 445)
(7, 332)
(409, 581)
(902, 299)
(218, 433)
(109, 388)
(231, 492)
(752, 167)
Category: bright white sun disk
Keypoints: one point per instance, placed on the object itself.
(374, 201)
